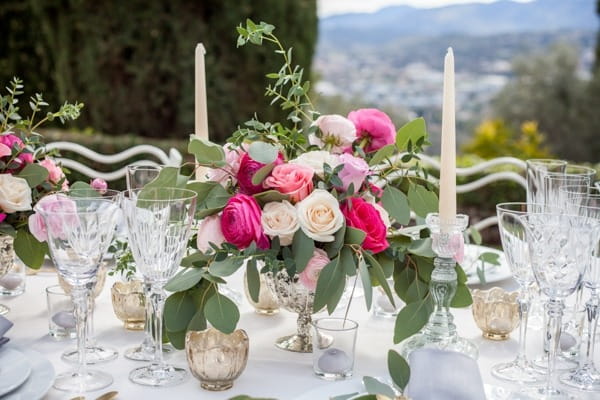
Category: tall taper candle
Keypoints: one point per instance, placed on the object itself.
(200, 108)
(447, 205)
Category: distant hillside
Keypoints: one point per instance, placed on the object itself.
(472, 19)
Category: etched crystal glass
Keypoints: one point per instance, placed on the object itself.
(159, 224)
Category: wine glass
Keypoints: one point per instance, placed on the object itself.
(516, 250)
(79, 233)
(537, 169)
(138, 176)
(586, 376)
(159, 224)
(560, 247)
(95, 353)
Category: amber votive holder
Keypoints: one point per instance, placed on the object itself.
(496, 312)
(129, 304)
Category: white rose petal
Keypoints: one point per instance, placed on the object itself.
(15, 194)
(280, 219)
(316, 159)
(320, 216)
(336, 130)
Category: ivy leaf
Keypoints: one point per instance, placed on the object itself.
(34, 174)
(263, 152)
(411, 131)
(207, 152)
(399, 369)
(395, 203)
(253, 279)
(184, 280)
(29, 249)
(303, 248)
(411, 319)
(179, 310)
(222, 313)
(421, 200)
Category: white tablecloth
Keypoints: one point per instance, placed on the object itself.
(270, 372)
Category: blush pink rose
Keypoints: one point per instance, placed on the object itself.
(4, 150)
(248, 167)
(53, 213)
(209, 231)
(355, 171)
(309, 277)
(294, 180)
(375, 125)
(232, 158)
(241, 222)
(364, 216)
(99, 185)
(55, 174)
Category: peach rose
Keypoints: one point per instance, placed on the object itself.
(291, 179)
(320, 216)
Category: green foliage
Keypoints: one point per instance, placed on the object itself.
(132, 62)
(124, 262)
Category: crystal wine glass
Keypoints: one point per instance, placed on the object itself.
(560, 247)
(159, 224)
(79, 233)
(586, 376)
(515, 248)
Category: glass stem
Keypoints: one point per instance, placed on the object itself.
(591, 309)
(555, 309)
(157, 298)
(89, 340)
(79, 295)
(524, 303)
(148, 343)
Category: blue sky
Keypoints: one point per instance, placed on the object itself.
(332, 7)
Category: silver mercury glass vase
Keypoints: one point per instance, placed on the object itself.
(440, 330)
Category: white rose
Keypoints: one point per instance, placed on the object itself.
(320, 216)
(15, 194)
(337, 131)
(316, 159)
(280, 219)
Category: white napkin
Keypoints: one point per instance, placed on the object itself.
(5, 325)
(444, 375)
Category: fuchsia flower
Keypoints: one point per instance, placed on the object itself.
(4, 150)
(248, 167)
(364, 216)
(2, 217)
(241, 222)
(310, 275)
(11, 140)
(294, 180)
(375, 125)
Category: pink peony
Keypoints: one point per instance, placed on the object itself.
(336, 131)
(2, 217)
(99, 185)
(241, 222)
(4, 150)
(355, 171)
(310, 275)
(26, 158)
(233, 158)
(294, 180)
(375, 125)
(55, 174)
(10, 139)
(248, 167)
(364, 216)
(53, 213)
(209, 231)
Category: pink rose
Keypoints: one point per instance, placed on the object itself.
(55, 174)
(337, 132)
(310, 275)
(375, 125)
(26, 158)
(364, 216)
(2, 217)
(4, 150)
(375, 190)
(54, 213)
(232, 158)
(99, 185)
(209, 231)
(294, 180)
(355, 171)
(241, 222)
(248, 167)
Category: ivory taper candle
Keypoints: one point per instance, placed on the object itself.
(200, 107)
(447, 205)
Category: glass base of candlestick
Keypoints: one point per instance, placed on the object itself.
(424, 340)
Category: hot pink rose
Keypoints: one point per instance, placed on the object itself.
(375, 125)
(26, 158)
(295, 180)
(364, 216)
(55, 174)
(10, 139)
(248, 167)
(4, 150)
(53, 213)
(99, 185)
(310, 275)
(241, 222)
(209, 231)
(232, 158)
(355, 171)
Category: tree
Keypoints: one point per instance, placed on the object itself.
(132, 62)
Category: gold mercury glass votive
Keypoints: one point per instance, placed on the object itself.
(129, 304)
(496, 312)
(267, 302)
(216, 358)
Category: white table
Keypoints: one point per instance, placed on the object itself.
(270, 372)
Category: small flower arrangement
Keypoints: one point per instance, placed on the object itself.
(27, 172)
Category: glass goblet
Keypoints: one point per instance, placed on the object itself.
(159, 224)
(537, 169)
(79, 232)
(560, 247)
(514, 244)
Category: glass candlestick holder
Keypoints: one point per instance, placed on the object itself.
(440, 330)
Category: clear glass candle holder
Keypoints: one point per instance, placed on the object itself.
(334, 341)
(13, 283)
(61, 320)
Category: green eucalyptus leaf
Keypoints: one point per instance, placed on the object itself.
(395, 203)
(374, 386)
(421, 200)
(198, 322)
(270, 196)
(490, 258)
(263, 152)
(462, 297)
(328, 284)
(34, 174)
(197, 257)
(260, 175)
(206, 152)
(177, 339)
(79, 185)
(222, 313)
(179, 310)
(333, 248)
(167, 177)
(417, 290)
(475, 235)
(355, 236)
(411, 319)
(383, 153)
(29, 249)
(186, 279)
(402, 280)
(411, 131)
(365, 279)
(253, 279)
(424, 267)
(461, 275)
(303, 248)
(399, 369)
(421, 247)
(378, 273)
(226, 267)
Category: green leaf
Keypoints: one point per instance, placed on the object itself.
(402, 280)
(303, 248)
(206, 152)
(34, 174)
(462, 277)
(475, 235)
(490, 258)
(333, 248)
(79, 185)
(186, 279)
(378, 273)
(198, 322)
(396, 204)
(411, 319)
(398, 369)
(260, 175)
(387, 264)
(253, 279)
(363, 270)
(222, 313)
(421, 247)
(411, 131)
(421, 200)
(179, 310)
(263, 152)
(211, 195)
(348, 261)
(177, 339)
(355, 236)
(270, 196)
(245, 397)
(328, 284)
(424, 267)
(383, 153)
(462, 298)
(194, 258)
(417, 290)
(226, 267)
(29, 249)
(167, 177)
(374, 386)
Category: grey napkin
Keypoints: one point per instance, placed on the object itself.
(444, 375)
(5, 325)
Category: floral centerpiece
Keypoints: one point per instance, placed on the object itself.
(325, 199)
(27, 172)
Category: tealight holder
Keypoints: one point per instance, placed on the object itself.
(334, 341)
(496, 312)
(129, 304)
(267, 302)
(440, 331)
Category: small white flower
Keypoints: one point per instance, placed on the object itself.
(337, 131)
(320, 216)
(316, 159)
(280, 219)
